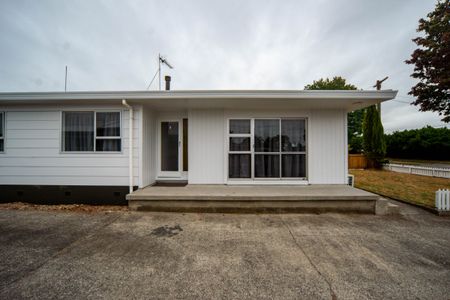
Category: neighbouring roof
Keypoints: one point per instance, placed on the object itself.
(282, 99)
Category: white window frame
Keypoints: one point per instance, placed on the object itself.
(63, 150)
(240, 135)
(252, 151)
(2, 137)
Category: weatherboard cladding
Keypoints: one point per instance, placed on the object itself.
(33, 151)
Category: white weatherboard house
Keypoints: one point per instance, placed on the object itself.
(67, 144)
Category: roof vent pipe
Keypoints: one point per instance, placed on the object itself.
(167, 79)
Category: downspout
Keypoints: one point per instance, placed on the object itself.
(130, 142)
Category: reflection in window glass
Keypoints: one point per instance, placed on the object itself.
(239, 144)
(293, 135)
(108, 124)
(267, 135)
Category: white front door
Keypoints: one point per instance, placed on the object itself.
(170, 148)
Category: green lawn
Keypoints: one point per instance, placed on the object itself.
(410, 188)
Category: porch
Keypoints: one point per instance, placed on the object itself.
(253, 199)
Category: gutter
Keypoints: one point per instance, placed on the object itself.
(203, 94)
(130, 142)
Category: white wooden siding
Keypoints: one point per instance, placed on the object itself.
(33, 150)
(206, 146)
(327, 147)
(149, 143)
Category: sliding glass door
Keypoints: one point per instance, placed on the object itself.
(272, 148)
(267, 148)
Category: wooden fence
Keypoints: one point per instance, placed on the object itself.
(443, 200)
(357, 161)
(418, 170)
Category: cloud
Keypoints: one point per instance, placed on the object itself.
(113, 45)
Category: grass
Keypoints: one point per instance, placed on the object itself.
(410, 188)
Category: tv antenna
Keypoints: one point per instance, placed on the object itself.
(65, 81)
(161, 60)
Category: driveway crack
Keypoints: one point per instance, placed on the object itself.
(332, 293)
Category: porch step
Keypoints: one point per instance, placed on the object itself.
(386, 208)
(247, 199)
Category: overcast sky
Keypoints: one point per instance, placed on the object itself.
(114, 45)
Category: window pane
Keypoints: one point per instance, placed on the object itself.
(267, 136)
(1, 124)
(293, 135)
(267, 166)
(293, 165)
(169, 146)
(239, 166)
(78, 131)
(108, 124)
(239, 144)
(107, 145)
(2, 148)
(240, 126)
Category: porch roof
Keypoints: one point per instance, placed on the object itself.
(176, 99)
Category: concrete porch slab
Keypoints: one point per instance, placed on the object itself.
(249, 199)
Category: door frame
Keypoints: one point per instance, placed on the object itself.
(170, 174)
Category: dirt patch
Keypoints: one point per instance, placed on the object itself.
(83, 208)
(166, 231)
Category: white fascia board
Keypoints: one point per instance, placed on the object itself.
(382, 95)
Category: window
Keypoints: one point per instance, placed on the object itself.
(270, 148)
(80, 134)
(2, 132)
(239, 159)
(267, 148)
(108, 131)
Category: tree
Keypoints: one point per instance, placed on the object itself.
(374, 144)
(354, 119)
(425, 143)
(337, 83)
(432, 62)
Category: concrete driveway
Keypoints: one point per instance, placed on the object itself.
(129, 255)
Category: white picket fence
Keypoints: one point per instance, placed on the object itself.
(418, 170)
(443, 200)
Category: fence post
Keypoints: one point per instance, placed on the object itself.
(437, 202)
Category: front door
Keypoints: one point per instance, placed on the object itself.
(170, 143)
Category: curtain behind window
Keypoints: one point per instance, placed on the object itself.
(108, 125)
(78, 131)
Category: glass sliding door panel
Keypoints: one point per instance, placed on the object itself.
(169, 146)
(293, 135)
(293, 165)
(267, 166)
(239, 166)
(267, 135)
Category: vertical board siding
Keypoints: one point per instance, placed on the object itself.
(148, 147)
(206, 146)
(33, 151)
(327, 147)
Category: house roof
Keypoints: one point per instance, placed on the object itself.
(326, 99)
